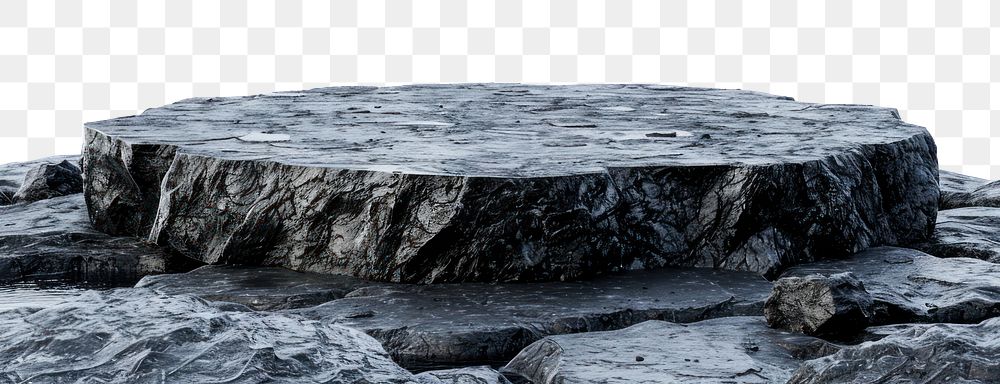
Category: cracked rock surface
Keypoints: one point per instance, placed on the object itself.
(914, 353)
(260, 288)
(446, 325)
(473, 182)
(966, 232)
(726, 350)
(907, 285)
(826, 306)
(137, 336)
(956, 188)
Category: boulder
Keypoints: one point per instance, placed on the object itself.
(726, 350)
(468, 375)
(12, 175)
(487, 182)
(453, 325)
(46, 181)
(52, 241)
(835, 306)
(956, 188)
(907, 285)
(260, 288)
(914, 353)
(138, 336)
(966, 232)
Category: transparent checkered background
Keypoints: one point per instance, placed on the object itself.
(63, 62)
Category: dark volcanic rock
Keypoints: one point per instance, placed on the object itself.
(50, 180)
(470, 375)
(911, 286)
(827, 306)
(449, 183)
(727, 350)
(447, 325)
(260, 288)
(52, 240)
(956, 188)
(966, 232)
(137, 336)
(12, 175)
(914, 353)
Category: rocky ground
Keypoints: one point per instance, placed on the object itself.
(103, 287)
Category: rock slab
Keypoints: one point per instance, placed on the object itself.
(474, 182)
(966, 232)
(726, 350)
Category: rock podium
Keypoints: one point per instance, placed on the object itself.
(453, 183)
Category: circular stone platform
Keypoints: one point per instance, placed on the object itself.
(511, 182)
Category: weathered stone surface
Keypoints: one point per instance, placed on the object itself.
(914, 353)
(966, 232)
(12, 175)
(450, 183)
(447, 325)
(52, 240)
(726, 350)
(50, 180)
(911, 286)
(137, 336)
(956, 188)
(260, 288)
(835, 306)
(469, 375)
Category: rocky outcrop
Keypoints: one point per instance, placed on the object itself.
(137, 336)
(453, 183)
(911, 286)
(50, 180)
(912, 353)
(52, 241)
(260, 288)
(835, 306)
(12, 175)
(469, 375)
(966, 232)
(448, 325)
(727, 350)
(956, 188)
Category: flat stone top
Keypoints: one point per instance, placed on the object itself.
(510, 130)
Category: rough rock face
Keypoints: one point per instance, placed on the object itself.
(469, 375)
(12, 175)
(727, 350)
(911, 353)
(447, 325)
(911, 286)
(50, 180)
(52, 240)
(956, 188)
(136, 336)
(450, 183)
(966, 232)
(834, 306)
(260, 288)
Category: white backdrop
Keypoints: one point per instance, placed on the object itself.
(63, 62)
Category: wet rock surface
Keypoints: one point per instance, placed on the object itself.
(448, 325)
(46, 181)
(835, 306)
(956, 188)
(966, 232)
(137, 336)
(914, 353)
(455, 183)
(260, 288)
(911, 286)
(469, 375)
(12, 175)
(727, 350)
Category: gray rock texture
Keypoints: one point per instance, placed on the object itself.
(911, 286)
(137, 336)
(12, 175)
(449, 325)
(52, 241)
(914, 353)
(46, 181)
(260, 288)
(956, 188)
(835, 306)
(469, 375)
(473, 182)
(966, 232)
(727, 350)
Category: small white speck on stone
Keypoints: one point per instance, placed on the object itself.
(260, 137)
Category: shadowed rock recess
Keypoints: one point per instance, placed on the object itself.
(452, 183)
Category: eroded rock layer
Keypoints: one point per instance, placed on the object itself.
(966, 232)
(451, 183)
